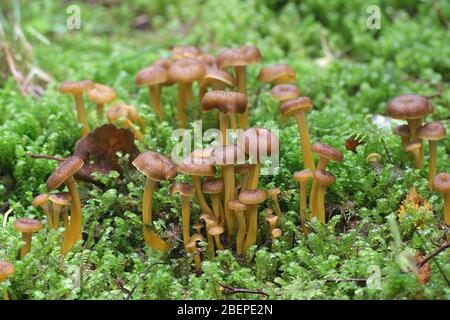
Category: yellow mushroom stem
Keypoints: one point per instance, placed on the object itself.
(216, 207)
(308, 159)
(241, 83)
(197, 183)
(253, 180)
(321, 165)
(48, 215)
(26, 236)
(5, 295)
(321, 204)
(277, 207)
(447, 208)
(183, 89)
(233, 121)
(210, 240)
(192, 249)
(56, 214)
(303, 204)
(81, 113)
(137, 133)
(245, 179)
(223, 123)
(186, 218)
(228, 194)
(413, 125)
(433, 167)
(99, 107)
(155, 100)
(252, 227)
(219, 244)
(242, 228)
(74, 233)
(66, 223)
(416, 156)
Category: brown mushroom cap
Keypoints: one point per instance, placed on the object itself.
(152, 75)
(209, 218)
(441, 182)
(239, 57)
(27, 225)
(39, 200)
(219, 75)
(181, 52)
(276, 233)
(268, 211)
(271, 218)
(61, 198)
(255, 196)
(274, 72)
(273, 192)
(432, 131)
(259, 142)
(225, 101)
(213, 186)
(236, 205)
(65, 170)
(184, 189)
(409, 106)
(291, 106)
(228, 155)
(6, 270)
(326, 151)
(216, 230)
(197, 238)
(196, 167)
(163, 62)
(155, 166)
(324, 178)
(186, 70)
(198, 226)
(118, 112)
(302, 176)
(101, 94)
(208, 60)
(410, 147)
(204, 153)
(285, 92)
(76, 87)
(401, 130)
(242, 168)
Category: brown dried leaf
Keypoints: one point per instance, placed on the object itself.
(424, 271)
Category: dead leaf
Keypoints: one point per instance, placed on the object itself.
(424, 271)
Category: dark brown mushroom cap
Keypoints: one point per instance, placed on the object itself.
(155, 166)
(186, 70)
(40, 200)
(236, 205)
(163, 62)
(409, 106)
(258, 143)
(441, 182)
(218, 75)
(213, 186)
(184, 189)
(401, 130)
(432, 131)
(27, 225)
(239, 57)
(61, 198)
(411, 147)
(216, 230)
(208, 60)
(303, 175)
(101, 94)
(302, 104)
(228, 155)
(285, 92)
(326, 151)
(196, 167)
(224, 101)
(65, 170)
(273, 192)
(181, 52)
(274, 72)
(255, 196)
(242, 168)
(324, 178)
(76, 87)
(152, 75)
(6, 270)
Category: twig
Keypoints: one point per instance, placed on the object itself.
(435, 253)
(436, 262)
(227, 290)
(45, 156)
(142, 278)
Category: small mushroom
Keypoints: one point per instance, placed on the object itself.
(126, 115)
(191, 247)
(277, 74)
(208, 60)
(214, 188)
(373, 157)
(273, 193)
(27, 227)
(239, 212)
(101, 94)
(276, 233)
(252, 198)
(6, 271)
(403, 132)
(272, 220)
(284, 92)
(414, 148)
(181, 52)
(216, 78)
(77, 89)
(186, 192)
(324, 180)
(298, 108)
(60, 202)
(153, 77)
(302, 177)
(433, 132)
(198, 227)
(210, 221)
(216, 231)
(42, 202)
(441, 183)
(156, 168)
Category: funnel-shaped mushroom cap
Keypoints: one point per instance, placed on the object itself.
(61, 198)
(155, 166)
(285, 92)
(409, 106)
(184, 189)
(27, 225)
(413, 146)
(6, 270)
(239, 57)
(236, 205)
(118, 112)
(213, 186)
(259, 143)
(271, 218)
(152, 75)
(215, 231)
(303, 104)
(208, 60)
(196, 167)
(401, 130)
(76, 87)
(163, 62)
(276, 233)
(326, 151)
(324, 178)
(101, 94)
(302, 176)
(186, 70)
(242, 168)
(273, 192)
(181, 52)
(65, 170)
(209, 219)
(197, 238)
(40, 200)
(432, 131)
(228, 155)
(274, 72)
(441, 182)
(224, 101)
(255, 196)
(218, 75)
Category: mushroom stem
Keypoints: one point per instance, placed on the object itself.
(186, 219)
(26, 236)
(321, 165)
(196, 182)
(433, 167)
(447, 208)
(413, 125)
(229, 190)
(223, 119)
(321, 204)
(233, 121)
(197, 259)
(75, 220)
(218, 242)
(253, 180)
(181, 106)
(5, 295)
(155, 100)
(56, 214)
(65, 215)
(215, 203)
(210, 240)
(81, 112)
(48, 214)
(137, 133)
(241, 83)
(99, 108)
(277, 206)
(308, 159)
(302, 200)
(242, 226)
(252, 227)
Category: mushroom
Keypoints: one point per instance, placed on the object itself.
(324, 180)
(403, 132)
(441, 183)
(181, 52)
(239, 58)
(302, 178)
(191, 247)
(216, 231)
(210, 221)
(208, 60)
(126, 115)
(433, 132)
(214, 188)
(373, 157)
(239, 208)
(156, 168)
(228, 104)
(414, 148)
(186, 192)
(153, 77)
(42, 202)
(276, 233)
(272, 220)
(101, 94)
(198, 227)
(218, 79)
(252, 198)
(185, 71)
(6, 271)
(243, 170)
(273, 193)
(60, 201)
(284, 92)
(277, 74)
(298, 108)
(64, 174)
(77, 89)
(27, 227)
